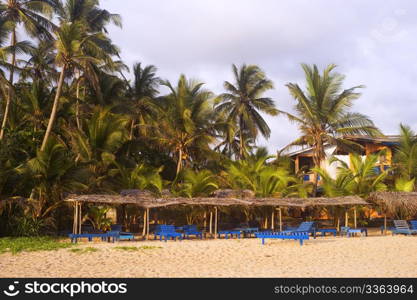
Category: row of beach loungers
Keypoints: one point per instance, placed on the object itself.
(300, 233)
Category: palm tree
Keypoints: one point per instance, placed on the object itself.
(197, 183)
(244, 100)
(34, 16)
(406, 153)
(359, 177)
(322, 115)
(75, 48)
(185, 126)
(142, 93)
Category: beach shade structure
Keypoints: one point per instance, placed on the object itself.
(221, 198)
(393, 202)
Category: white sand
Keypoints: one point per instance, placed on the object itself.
(373, 256)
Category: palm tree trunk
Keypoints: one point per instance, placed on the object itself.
(77, 104)
(9, 94)
(179, 163)
(54, 109)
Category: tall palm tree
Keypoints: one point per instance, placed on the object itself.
(35, 16)
(244, 101)
(322, 115)
(71, 44)
(142, 93)
(185, 126)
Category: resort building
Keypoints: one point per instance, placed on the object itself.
(385, 146)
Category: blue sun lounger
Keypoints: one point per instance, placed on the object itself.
(300, 236)
(401, 227)
(352, 231)
(413, 224)
(191, 230)
(167, 232)
(121, 235)
(109, 236)
(304, 227)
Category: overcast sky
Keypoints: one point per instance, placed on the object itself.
(373, 43)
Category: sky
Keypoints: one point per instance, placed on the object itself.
(372, 42)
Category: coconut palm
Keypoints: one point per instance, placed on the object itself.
(405, 155)
(197, 183)
(322, 112)
(35, 16)
(185, 126)
(244, 101)
(75, 49)
(358, 177)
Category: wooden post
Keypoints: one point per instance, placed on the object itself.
(346, 218)
(338, 223)
(280, 219)
(215, 222)
(80, 216)
(272, 218)
(385, 223)
(211, 223)
(144, 224)
(147, 223)
(205, 219)
(74, 223)
(354, 218)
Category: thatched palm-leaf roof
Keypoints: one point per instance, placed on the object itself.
(146, 200)
(394, 201)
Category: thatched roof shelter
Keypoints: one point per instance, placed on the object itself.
(221, 198)
(305, 202)
(392, 202)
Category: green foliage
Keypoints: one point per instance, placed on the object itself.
(356, 178)
(406, 153)
(196, 183)
(19, 244)
(97, 217)
(83, 250)
(404, 185)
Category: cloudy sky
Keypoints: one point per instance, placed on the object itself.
(373, 43)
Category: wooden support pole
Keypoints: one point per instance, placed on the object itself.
(147, 223)
(272, 219)
(215, 222)
(338, 223)
(74, 223)
(211, 223)
(280, 219)
(205, 219)
(80, 217)
(355, 224)
(346, 219)
(144, 224)
(385, 223)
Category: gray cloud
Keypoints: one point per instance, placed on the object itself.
(372, 42)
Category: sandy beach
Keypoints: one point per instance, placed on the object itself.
(373, 256)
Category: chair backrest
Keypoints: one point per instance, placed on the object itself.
(344, 229)
(116, 227)
(413, 224)
(189, 227)
(165, 228)
(401, 224)
(305, 226)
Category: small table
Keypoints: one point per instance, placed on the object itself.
(247, 231)
(353, 231)
(226, 233)
(327, 230)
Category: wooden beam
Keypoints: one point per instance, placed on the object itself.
(272, 218)
(144, 224)
(280, 219)
(355, 224)
(74, 222)
(215, 222)
(346, 219)
(385, 223)
(211, 223)
(147, 223)
(80, 216)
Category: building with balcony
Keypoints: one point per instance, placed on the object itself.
(385, 146)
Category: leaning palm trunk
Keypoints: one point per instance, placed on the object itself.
(54, 109)
(9, 94)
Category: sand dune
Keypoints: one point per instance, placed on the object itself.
(374, 256)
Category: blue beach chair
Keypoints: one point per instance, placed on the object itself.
(401, 227)
(167, 232)
(307, 227)
(191, 230)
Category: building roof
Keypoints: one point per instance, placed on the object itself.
(394, 201)
(387, 140)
